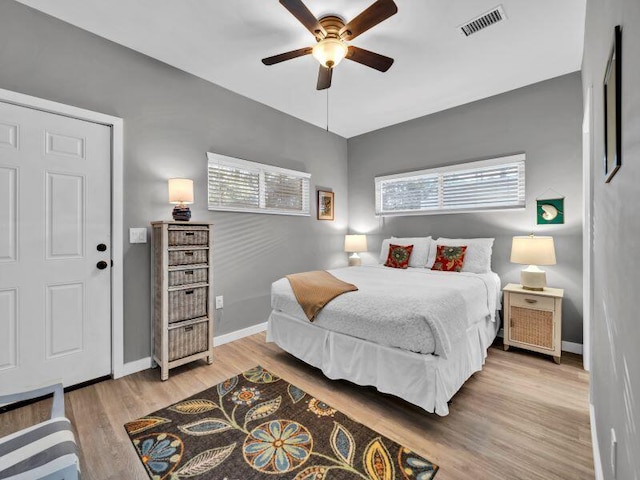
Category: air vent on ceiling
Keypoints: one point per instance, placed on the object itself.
(485, 20)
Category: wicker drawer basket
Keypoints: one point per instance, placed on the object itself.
(183, 236)
(187, 340)
(187, 303)
(188, 276)
(188, 257)
(533, 327)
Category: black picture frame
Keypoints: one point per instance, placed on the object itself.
(613, 108)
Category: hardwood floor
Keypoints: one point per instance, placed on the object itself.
(522, 417)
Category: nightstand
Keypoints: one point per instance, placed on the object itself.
(533, 319)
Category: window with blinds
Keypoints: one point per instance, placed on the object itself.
(496, 184)
(243, 186)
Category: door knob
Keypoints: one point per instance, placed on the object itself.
(102, 265)
(101, 247)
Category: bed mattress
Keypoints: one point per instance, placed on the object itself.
(417, 309)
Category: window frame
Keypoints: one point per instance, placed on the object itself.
(440, 172)
(215, 159)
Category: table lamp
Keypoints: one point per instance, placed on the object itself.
(355, 244)
(181, 194)
(533, 251)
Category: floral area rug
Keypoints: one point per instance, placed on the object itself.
(258, 426)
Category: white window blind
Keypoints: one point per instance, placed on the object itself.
(243, 186)
(495, 184)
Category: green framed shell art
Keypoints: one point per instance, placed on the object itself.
(550, 211)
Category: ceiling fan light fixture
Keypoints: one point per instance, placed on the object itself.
(332, 34)
(330, 52)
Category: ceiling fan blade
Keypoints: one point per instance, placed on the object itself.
(370, 59)
(324, 78)
(376, 13)
(305, 17)
(287, 56)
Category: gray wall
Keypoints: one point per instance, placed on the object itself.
(171, 119)
(615, 373)
(543, 120)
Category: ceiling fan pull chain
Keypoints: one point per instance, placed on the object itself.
(327, 109)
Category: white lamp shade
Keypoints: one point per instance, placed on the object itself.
(355, 243)
(329, 52)
(532, 250)
(180, 191)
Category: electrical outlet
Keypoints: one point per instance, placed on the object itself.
(219, 302)
(137, 235)
(614, 452)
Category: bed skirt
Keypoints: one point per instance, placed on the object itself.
(427, 381)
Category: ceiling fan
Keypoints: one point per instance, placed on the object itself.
(332, 35)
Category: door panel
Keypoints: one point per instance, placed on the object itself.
(64, 145)
(8, 135)
(65, 319)
(8, 214)
(54, 210)
(9, 328)
(65, 207)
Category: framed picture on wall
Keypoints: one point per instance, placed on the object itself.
(612, 108)
(325, 205)
(550, 211)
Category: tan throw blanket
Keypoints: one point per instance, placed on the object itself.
(314, 290)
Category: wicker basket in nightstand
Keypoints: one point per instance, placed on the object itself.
(183, 293)
(533, 320)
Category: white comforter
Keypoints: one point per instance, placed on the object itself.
(416, 309)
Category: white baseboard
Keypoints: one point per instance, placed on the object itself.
(597, 462)
(238, 334)
(137, 366)
(570, 347)
(147, 362)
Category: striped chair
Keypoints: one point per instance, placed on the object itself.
(47, 450)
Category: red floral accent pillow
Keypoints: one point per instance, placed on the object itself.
(449, 259)
(398, 256)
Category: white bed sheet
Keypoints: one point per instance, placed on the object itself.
(417, 309)
(428, 381)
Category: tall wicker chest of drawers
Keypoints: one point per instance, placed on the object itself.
(533, 319)
(183, 293)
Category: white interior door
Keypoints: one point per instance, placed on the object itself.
(55, 297)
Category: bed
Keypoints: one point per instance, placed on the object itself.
(414, 333)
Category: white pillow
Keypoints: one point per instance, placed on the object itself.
(477, 259)
(419, 254)
(433, 251)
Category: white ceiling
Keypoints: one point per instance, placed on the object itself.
(435, 66)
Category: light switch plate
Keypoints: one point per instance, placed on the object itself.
(219, 302)
(137, 235)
